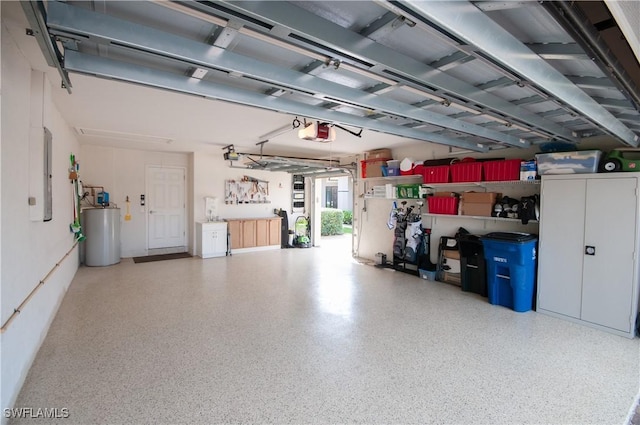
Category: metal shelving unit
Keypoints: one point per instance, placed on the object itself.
(475, 217)
(485, 184)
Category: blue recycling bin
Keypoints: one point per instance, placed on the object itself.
(511, 269)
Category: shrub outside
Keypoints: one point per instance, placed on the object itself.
(348, 217)
(331, 222)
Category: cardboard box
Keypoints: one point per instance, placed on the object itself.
(478, 203)
(378, 154)
(372, 167)
(453, 278)
(480, 197)
(445, 194)
(452, 254)
(476, 209)
(451, 265)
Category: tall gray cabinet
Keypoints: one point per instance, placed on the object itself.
(588, 250)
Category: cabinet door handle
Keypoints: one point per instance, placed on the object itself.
(590, 250)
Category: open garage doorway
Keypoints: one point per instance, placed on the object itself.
(333, 214)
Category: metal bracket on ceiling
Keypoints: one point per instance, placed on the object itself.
(36, 15)
(261, 144)
(333, 62)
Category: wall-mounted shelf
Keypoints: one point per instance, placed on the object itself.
(486, 184)
(477, 217)
(396, 178)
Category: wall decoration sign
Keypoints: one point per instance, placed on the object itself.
(248, 190)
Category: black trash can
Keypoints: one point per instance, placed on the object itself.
(473, 266)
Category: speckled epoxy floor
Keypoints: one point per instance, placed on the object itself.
(309, 336)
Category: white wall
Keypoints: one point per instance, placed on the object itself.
(30, 249)
(210, 171)
(122, 172)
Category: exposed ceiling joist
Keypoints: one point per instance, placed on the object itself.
(468, 23)
(570, 51)
(312, 27)
(81, 21)
(107, 68)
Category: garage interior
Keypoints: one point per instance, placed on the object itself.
(214, 94)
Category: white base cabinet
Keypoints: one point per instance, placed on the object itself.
(211, 239)
(588, 250)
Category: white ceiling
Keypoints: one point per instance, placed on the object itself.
(115, 113)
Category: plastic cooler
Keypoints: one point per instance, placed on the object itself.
(466, 172)
(443, 205)
(504, 170)
(511, 269)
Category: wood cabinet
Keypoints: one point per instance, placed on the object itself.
(588, 265)
(235, 233)
(249, 233)
(275, 231)
(211, 239)
(262, 232)
(255, 232)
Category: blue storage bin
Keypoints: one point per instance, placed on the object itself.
(394, 171)
(511, 269)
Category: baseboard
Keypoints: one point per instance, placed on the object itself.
(254, 249)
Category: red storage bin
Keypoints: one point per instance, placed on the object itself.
(443, 205)
(436, 174)
(466, 172)
(507, 169)
(418, 169)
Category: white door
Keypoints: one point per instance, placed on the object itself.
(166, 206)
(561, 249)
(610, 228)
